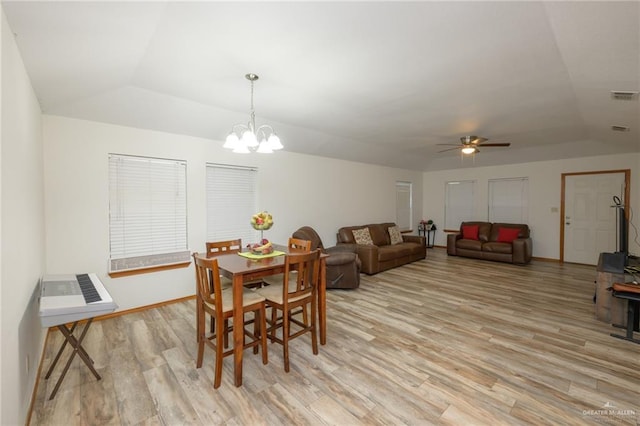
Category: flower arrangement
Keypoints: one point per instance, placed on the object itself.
(427, 224)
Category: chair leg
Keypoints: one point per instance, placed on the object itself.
(219, 349)
(200, 351)
(201, 334)
(225, 338)
(314, 339)
(256, 328)
(263, 335)
(285, 339)
(274, 319)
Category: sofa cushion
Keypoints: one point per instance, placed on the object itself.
(380, 233)
(362, 236)
(484, 230)
(395, 237)
(507, 235)
(469, 232)
(496, 247)
(523, 230)
(469, 244)
(390, 252)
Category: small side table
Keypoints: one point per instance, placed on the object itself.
(429, 233)
(632, 296)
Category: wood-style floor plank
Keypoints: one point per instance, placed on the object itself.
(445, 340)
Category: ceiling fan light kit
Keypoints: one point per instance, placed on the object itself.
(244, 139)
(468, 150)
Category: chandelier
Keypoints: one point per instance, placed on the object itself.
(244, 139)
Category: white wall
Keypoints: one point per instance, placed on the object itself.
(544, 194)
(297, 189)
(22, 229)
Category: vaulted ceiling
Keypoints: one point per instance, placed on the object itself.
(376, 82)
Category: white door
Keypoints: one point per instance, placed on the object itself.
(590, 220)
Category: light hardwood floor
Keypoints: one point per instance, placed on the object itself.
(446, 340)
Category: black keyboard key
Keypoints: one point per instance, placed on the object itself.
(89, 291)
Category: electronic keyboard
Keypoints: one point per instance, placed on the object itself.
(69, 298)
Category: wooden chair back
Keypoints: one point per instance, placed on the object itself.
(307, 268)
(298, 245)
(208, 287)
(216, 248)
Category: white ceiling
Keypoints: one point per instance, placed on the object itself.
(376, 82)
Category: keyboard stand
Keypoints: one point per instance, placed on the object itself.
(76, 344)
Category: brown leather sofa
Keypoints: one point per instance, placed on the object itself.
(343, 264)
(382, 255)
(491, 243)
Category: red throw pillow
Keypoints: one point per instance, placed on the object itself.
(507, 235)
(470, 232)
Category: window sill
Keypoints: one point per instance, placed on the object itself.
(120, 274)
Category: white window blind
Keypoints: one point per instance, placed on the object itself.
(403, 205)
(509, 200)
(147, 212)
(459, 202)
(231, 201)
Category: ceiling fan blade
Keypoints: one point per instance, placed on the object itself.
(448, 144)
(495, 144)
(450, 149)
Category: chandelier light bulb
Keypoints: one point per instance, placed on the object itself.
(274, 142)
(264, 147)
(249, 139)
(232, 141)
(241, 149)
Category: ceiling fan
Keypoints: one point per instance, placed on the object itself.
(469, 144)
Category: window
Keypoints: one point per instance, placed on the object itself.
(509, 200)
(404, 217)
(459, 202)
(147, 213)
(231, 201)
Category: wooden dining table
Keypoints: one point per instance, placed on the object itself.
(241, 270)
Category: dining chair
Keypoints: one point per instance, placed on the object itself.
(219, 305)
(295, 291)
(294, 245)
(217, 248)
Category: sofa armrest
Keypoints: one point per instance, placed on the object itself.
(522, 250)
(451, 243)
(342, 248)
(341, 257)
(368, 258)
(415, 239)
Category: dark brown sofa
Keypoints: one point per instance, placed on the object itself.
(382, 255)
(343, 264)
(487, 244)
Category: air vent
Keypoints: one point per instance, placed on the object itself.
(620, 128)
(624, 95)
